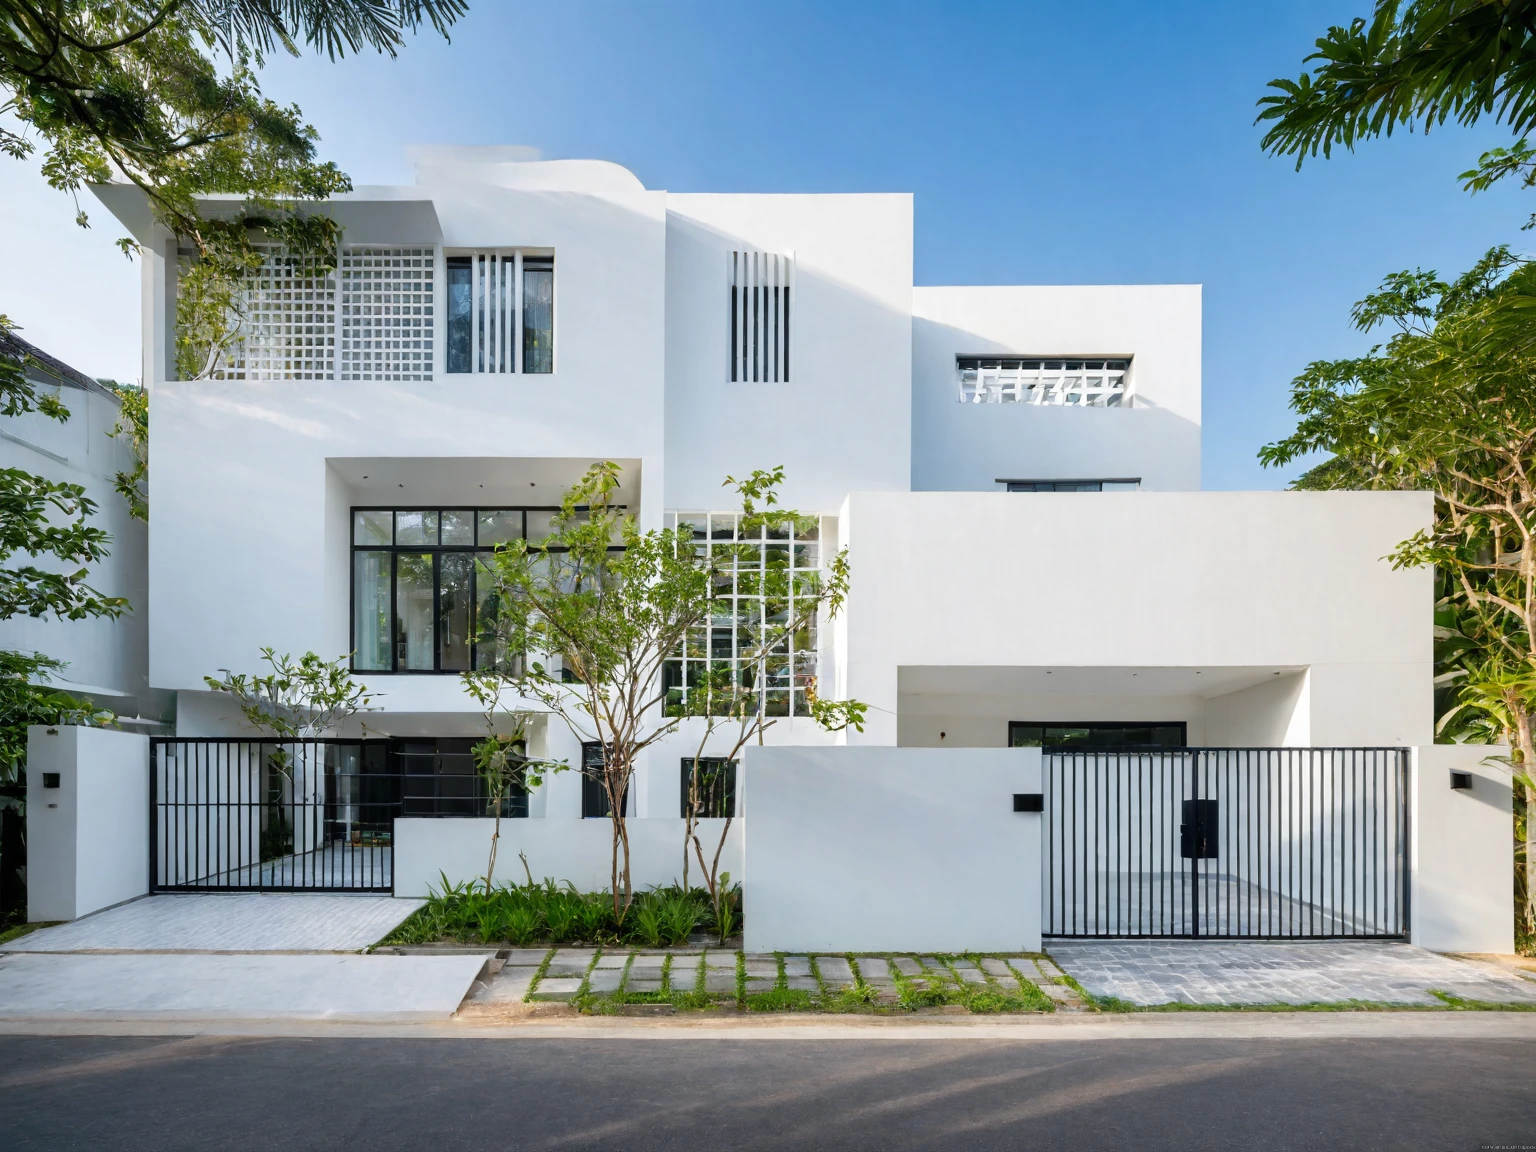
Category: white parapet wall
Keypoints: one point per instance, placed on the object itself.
(859, 849)
(1462, 848)
(87, 820)
(576, 851)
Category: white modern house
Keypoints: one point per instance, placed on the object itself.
(106, 661)
(1014, 470)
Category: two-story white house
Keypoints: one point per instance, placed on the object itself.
(1014, 470)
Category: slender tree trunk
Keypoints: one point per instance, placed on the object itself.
(1527, 765)
(490, 866)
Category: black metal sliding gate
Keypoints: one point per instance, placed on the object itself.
(1257, 843)
(299, 815)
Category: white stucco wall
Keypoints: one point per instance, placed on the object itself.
(579, 851)
(1463, 851)
(252, 480)
(842, 422)
(1192, 584)
(107, 659)
(971, 446)
(887, 849)
(87, 839)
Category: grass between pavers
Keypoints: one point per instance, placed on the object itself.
(931, 989)
(18, 931)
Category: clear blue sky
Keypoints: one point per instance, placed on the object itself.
(1045, 142)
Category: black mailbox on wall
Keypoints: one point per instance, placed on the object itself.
(1029, 802)
(1198, 834)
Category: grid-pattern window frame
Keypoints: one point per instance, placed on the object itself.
(387, 305)
(752, 566)
(761, 285)
(480, 545)
(288, 320)
(1045, 381)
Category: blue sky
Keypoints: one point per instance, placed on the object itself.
(1045, 143)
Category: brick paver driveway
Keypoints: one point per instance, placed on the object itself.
(1243, 972)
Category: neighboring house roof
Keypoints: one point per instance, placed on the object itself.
(46, 369)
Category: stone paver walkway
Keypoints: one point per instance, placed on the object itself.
(244, 922)
(701, 977)
(1150, 972)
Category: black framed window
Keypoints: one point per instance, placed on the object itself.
(717, 786)
(1102, 734)
(499, 310)
(420, 589)
(438, 777)
(594, 792)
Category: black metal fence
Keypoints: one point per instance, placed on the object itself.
(1227, 842)
(317, 815)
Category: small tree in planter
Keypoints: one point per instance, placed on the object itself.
(502, 758)
(733, 700)
(586, 618)
(297, 701)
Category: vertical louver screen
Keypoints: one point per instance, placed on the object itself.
(760, 291)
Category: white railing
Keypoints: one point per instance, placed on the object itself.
(1080, 383)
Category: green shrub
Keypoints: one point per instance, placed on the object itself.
(645, 922)
(594, 914)
(562, 912)
(523, 923)
(680, 913)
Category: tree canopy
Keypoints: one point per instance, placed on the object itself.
(1448, 405)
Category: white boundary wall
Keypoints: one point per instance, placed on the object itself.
(87, 839)
(579, 851)
(891, 849)
(1463, 851)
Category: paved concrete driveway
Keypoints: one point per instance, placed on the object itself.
(237, 922)
(1241, 972)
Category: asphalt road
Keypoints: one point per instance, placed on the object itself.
(717, 1095)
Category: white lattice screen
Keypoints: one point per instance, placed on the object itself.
(386, 313)
(289, 327)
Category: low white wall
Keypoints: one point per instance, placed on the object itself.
(1463, 851)
(579, 851)
(88, 838)
(855, 849)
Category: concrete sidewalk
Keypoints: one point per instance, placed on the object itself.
(168, 987)
(234, 922)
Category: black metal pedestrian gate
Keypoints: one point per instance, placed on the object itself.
(269, 816)
(1242, 843)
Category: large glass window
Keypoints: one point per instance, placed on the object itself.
(500, 312)
(1103, 734)
(420, 585)
(765, 575)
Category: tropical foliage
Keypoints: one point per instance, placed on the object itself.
(585, 620)
(165, 96)
(1415, 66)
(1448, 405)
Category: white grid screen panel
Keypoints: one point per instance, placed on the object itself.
(288, 327)
(762, 575)
(1015, 380)
(386, 313)
(760, 285)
